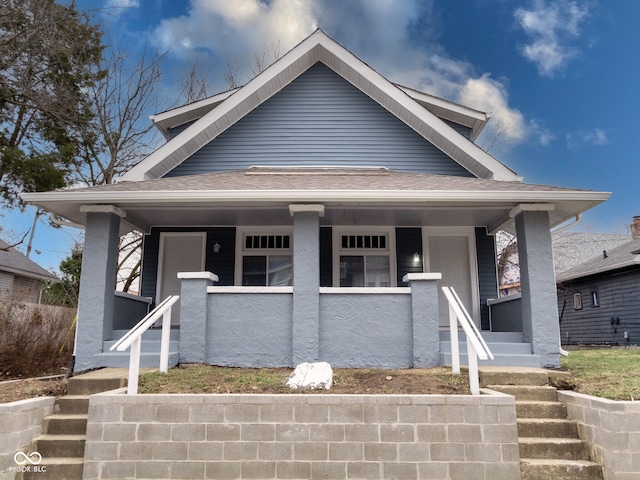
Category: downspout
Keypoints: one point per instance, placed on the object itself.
(64, 223)
(577, 220)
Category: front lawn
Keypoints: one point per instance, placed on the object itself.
(612, 373)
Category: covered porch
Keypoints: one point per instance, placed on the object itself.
(349, 272)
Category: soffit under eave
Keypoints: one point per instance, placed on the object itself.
(263, 87)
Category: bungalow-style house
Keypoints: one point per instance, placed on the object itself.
(21, 279)
(313, 214)
(599, 299)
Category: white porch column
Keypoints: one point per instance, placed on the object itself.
(97, 282)
(537, 279)
(306, 282)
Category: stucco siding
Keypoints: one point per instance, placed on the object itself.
(320, 119)
(366, 330)
(251, 330)
(619, 298)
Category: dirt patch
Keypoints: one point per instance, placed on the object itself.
(209, 379)
(15, 390)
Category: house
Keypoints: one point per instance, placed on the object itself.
(599, 299)
(312, 214)
(21, 279)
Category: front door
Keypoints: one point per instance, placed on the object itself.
(179, 252)
(450, 255)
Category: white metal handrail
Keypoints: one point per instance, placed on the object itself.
(476, 346)
(133, 339)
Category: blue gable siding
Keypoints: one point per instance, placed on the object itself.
(320, 119)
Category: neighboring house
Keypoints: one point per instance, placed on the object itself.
(312, 214)
(569, 250)
(599, 299)
(20, 278)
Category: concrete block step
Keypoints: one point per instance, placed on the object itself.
(495, 347)
(65, 468)
(88, 384)
(59, 445)
(147, 359)
(505, 360)
(560, 448)
(532, 409)
(507, 337)
(146, 345)
(538, 469)
(490, 375)
(58, 424)
(539, 393)
(151, 334)
(72, 404)
(547, 428)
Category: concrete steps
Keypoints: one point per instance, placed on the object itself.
(549, 443)
(149, 350)
(62, 443)
(508, 348)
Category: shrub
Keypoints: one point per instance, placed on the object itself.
(35, 340)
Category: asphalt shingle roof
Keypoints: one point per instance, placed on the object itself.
(13, 260)
(261, 178)
(622, 256)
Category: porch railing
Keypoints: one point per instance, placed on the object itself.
(476, 346)
(133, 339)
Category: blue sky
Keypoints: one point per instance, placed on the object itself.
(559, 77)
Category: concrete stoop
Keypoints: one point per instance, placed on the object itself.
(62, 443)
(549, 442)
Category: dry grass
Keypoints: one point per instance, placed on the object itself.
(210, 379)
(33, 339)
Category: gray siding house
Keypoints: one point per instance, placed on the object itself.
(313, 214)
(21, 279)
(599, 299)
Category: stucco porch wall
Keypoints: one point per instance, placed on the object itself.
(128, 310)
(612, 429)
(367, 329)
(20, 422)
(249, 329)
(302, 436)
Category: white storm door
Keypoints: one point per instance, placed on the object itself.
(450, 256)
(179, 252)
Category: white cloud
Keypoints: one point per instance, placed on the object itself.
(122, 4)
(550, 27)
(377, 32)
(594, 136)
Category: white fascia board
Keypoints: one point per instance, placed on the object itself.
(324, 196)
(319, 47)
(608, 268)
(181, 147)
(28, 274)
(186, 113)
(469, 117)
(446, 138)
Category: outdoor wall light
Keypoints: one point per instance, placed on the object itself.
(416, 257)
(216, 247)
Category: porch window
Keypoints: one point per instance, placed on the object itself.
(364, 260)
(266, 260)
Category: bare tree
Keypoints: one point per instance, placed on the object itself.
(120, 134)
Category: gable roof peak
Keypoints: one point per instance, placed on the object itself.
(319, 47)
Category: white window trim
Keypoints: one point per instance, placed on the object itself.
(163, 236)
(470, 233)
(259, 230)
(338, 231)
